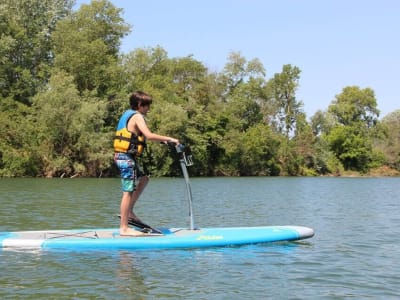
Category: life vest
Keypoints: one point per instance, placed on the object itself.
(126, 141)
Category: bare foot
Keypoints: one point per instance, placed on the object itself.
(130, 232)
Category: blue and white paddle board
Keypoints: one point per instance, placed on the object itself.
(171, 238)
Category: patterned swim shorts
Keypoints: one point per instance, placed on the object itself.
(128, 168)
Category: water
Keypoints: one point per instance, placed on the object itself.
(354, 254)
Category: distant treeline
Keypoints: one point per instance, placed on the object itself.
(64, 84)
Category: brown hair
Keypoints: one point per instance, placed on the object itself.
(139, 98)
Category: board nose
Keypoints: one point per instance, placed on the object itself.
(304, 232)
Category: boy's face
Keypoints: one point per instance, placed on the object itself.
(144, 109)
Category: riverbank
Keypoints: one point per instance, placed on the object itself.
(383, 171)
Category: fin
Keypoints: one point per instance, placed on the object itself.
(139, 224)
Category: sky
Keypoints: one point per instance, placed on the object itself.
(335, 43)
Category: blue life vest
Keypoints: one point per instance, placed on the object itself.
(126, 141)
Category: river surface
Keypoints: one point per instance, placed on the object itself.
(355, 253)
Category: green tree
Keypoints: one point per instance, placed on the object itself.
(26, 56)
(259, 152)
(243, 82)
(25, 61)
(304, 141)
(86, 46)
(351, 146)
(283, 88)
(238, 70)
(242, 97)
(147, 69)
(389, 144)
(322, 122)
(355, 111)
(17, 140)
(284, 112)
(326, 161)
(70, 135)
(355, 106)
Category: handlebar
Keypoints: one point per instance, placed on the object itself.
(184, 153)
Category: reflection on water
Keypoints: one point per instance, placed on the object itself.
(128, 275)
(353, 254)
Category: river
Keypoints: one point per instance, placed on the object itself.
(355, 252)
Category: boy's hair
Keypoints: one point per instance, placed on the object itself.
(139, 98)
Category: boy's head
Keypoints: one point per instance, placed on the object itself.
(138, 99)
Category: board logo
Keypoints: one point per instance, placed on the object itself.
(210, 237)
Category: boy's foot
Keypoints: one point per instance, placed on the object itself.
(135, 221)
(131, 232)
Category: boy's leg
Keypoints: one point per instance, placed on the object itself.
(136, 194)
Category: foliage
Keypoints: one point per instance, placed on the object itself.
(389, 142)
(284, 86)
(86, 45)
(351, 147)
(326, 161)
(69, 130)
(16, 157)
(26, 44)
(351, 139)
(64, 85)
(259, 151)
(355, 105)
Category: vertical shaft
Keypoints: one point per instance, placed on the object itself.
(189, 192)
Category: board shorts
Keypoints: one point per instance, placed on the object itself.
(129, 169)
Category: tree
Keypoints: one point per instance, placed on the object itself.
(17, 139)
(351, 147)
(238, 70)
(355, 106)
(86, 46)
(26, 58)
(259, 152)
(284, 86)
(69, 130)
(304, 141)
(390, 143)
(243, 91)
(326, 161)
(322, 122)
(26, 45)
(150, 70)
(355, 111)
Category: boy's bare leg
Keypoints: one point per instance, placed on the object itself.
(136, 194)
(124, 210)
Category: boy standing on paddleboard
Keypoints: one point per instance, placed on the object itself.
(129, 143)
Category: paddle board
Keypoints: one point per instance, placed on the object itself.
(171, 238)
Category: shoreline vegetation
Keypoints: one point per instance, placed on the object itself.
(383, 171)
(65, 83)
(380, 172)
